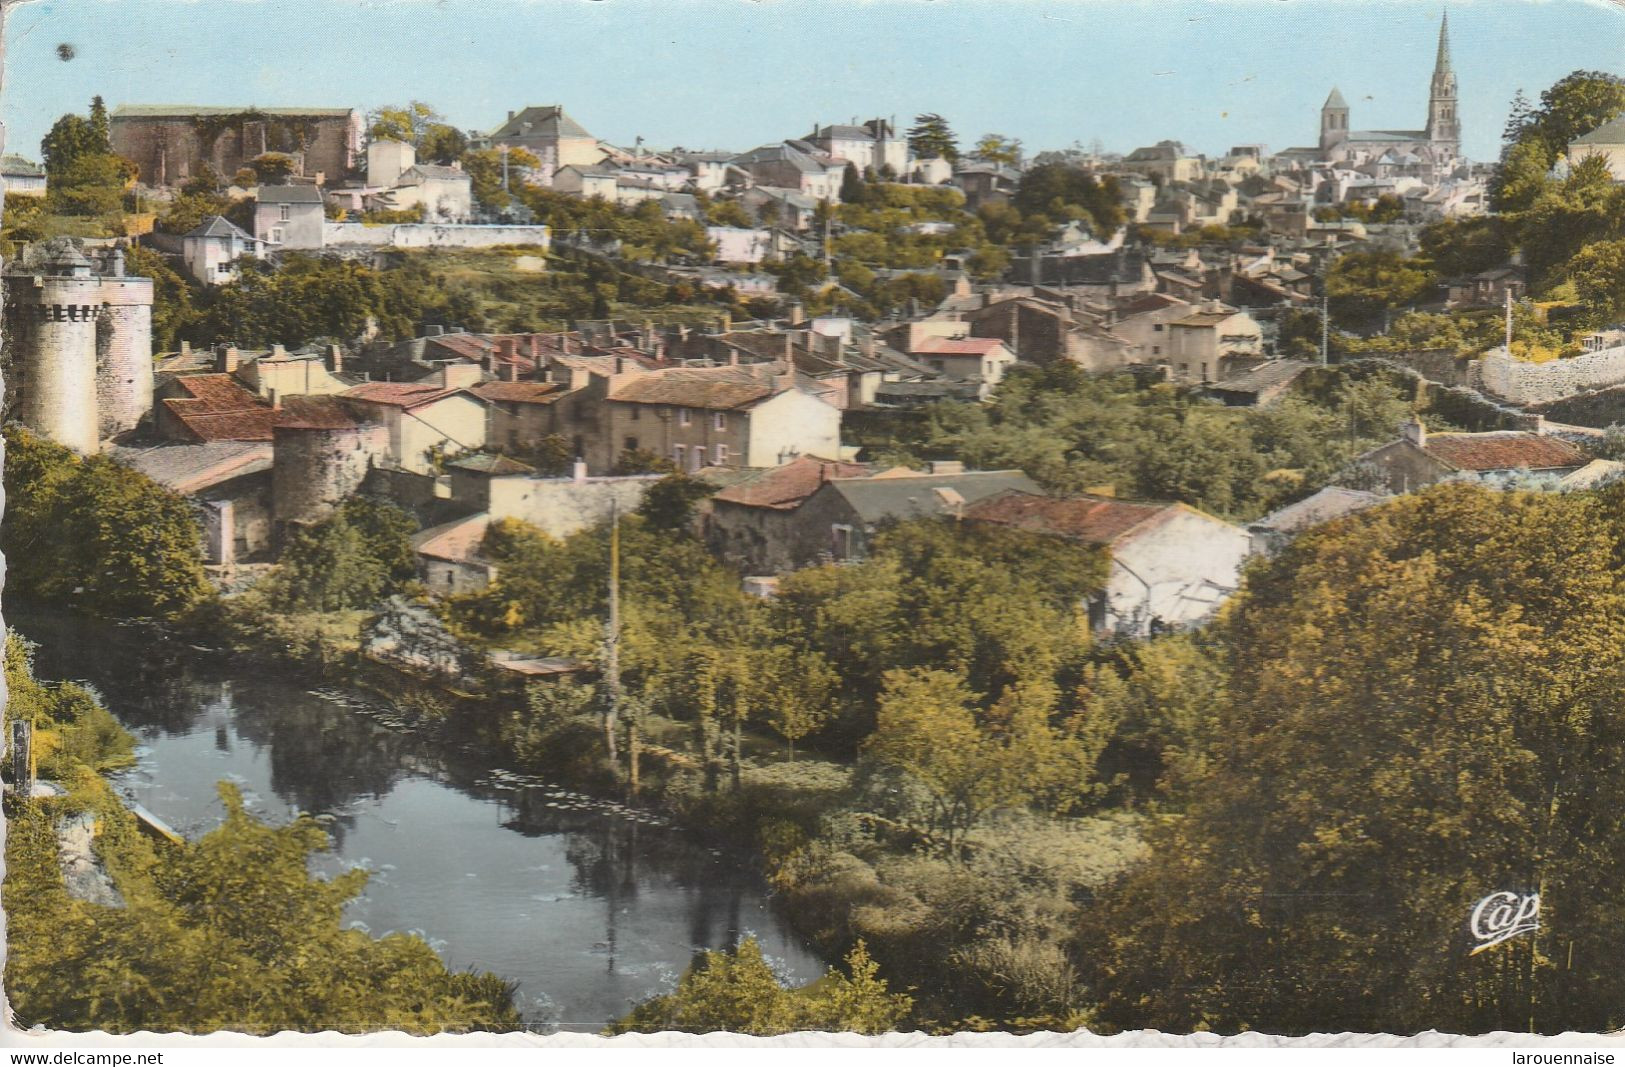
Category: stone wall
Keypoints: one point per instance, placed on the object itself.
(1442, 365)
(425, 235)
(315, 469)
(53, 321)
(124, 354)
(562, 506)
(1541, 383)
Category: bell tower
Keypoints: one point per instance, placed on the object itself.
(1334, 121)
(1444, 124)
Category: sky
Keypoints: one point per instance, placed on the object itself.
(733, 74)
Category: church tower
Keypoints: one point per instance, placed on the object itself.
(1444, 125)
(1334, 121)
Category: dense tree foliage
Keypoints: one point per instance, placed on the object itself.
(84, 176)
(737, 991)
(90, 532)
(1058, 192)
(357, 557)
(931, 138)
(1422, 708)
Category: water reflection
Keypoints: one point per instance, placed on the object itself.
(589, 906)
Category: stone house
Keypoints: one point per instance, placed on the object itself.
(1203, 345)
(1042, 331)
(446, 194)
(289, 216)
(229, 480)
(1277, 529)
(1607, 141)
(549, 134)
(1142, 321)
(874, 144)
(1490, 288)
(1165, 161)
(1171, 566)
(520, 413)
(789, 208)
(794, 165)
(816, 510)
(983, 360)
(211, 250)
(426, 419)
(1420, 458)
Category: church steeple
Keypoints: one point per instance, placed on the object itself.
(1444, 125)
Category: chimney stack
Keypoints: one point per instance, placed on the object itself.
(1414, 432)
(335, 359)
(225, 359)
(508, 372)
(508, 348)
(279, 352)
(579, 471)
(186, 348)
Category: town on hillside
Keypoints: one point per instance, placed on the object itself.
(1030, 560)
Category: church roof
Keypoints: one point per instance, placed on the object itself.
(1334, 100)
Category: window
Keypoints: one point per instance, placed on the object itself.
(697, 458)
(719, 421)
(684, 416)
(1156, 350)
(637, 413)
(276, 235)
(1156, 327)
(224, 268)
(282, 215)
(630, 444)
(722, 455)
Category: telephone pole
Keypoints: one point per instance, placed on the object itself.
(1508, 294)
(612, 643)
(1325, 327)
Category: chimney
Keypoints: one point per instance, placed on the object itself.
(1414, 432)
(508, 372)
(945, 466)
(797, 314)
(508, 348)
(225, 359)
(510, 116)
(433, 330)
(789, 348)
(733, 356)
(536, 348)
(579, 471)
(186, 348)
(1535, 423)
(279, 352)
(275, 398)
(335, 359)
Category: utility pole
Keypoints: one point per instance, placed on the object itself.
(1325, 327)
(504, 168)
(1508, 294)
(612, 643)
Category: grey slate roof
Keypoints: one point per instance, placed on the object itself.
(288, 194)
(219, 226)
(914, 497)
(545, 121)
(1608, 133)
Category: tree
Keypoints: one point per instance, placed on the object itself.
(738, 992)
(352, 560)
(853, 189)
(1467, 741)
(403, 122)
(171, 296)
(931, 138)
(92, 532)
(998, 149)
(442, 144)
(1362, 285)
(273, 168)
(1598, 271)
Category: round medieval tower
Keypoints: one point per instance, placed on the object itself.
(56, 311)
(123, 349)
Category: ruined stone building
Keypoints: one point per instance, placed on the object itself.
(172, 144)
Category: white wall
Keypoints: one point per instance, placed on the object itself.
(1179, 571)
(789, 425)
(427, 235)
(562, 506)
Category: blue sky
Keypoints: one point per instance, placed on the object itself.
(737, 73)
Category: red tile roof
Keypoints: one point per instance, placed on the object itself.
(519, 392)
(317, 413)
(219, 408)
(787, 486)
(1094, 520)
(400, 394)
(714, 388)
(961, 346)
(1503, 450)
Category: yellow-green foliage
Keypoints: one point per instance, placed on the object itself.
(738, 991)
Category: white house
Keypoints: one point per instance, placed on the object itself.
(427, 419)
(211, 251)
(289, 216)
(1171, 565)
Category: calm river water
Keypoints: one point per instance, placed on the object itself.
(589, 907)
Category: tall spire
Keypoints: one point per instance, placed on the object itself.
(1441, 65)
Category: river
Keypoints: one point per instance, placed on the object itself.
(588, 906)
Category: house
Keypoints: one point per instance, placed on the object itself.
(1203, 344)
(1165, 161)
(593, 181)
(773, 206)
(446, 194)
(1606, 141)
(519, 413)
(986, 183)
(794, 165)
(1142, 321)
(1043, 331)
(425, 420)
(21, 177)
(738, 416)
(289, 216)
(1171, 566)
(196, 408)
(211, 250)
(1490, 288)
(1275, 530)
(549, 134)
(1260, 386)
(983, 360)
(872, 146)
(229, 480)
(817, 510)
(449, 558)
(308, 372)
(1420, 458)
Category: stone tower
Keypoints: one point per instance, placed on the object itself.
(1334, 121)
(1444, 125)
(81, 356)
